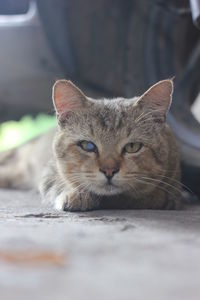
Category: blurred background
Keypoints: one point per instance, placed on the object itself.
(109, 48)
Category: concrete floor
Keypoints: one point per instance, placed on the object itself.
(107, 254)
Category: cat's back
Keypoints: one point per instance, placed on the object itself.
(29, 159)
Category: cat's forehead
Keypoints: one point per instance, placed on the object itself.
(113, 113)
(113, 104)
(108, 121)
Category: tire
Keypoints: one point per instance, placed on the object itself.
(121, 47)
(173, 48)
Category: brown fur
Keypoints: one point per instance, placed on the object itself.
(73, 181)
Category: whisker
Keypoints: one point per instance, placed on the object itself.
(155, 185)
(167, 177)
(147, 113)
(163, 182)
(143, 116)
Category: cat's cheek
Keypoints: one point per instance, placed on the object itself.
(136, 158)
(74, 158)
(135, 163)
(128, 166)
(81, 163)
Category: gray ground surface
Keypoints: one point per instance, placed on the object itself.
(110, 254)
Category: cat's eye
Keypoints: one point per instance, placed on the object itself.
(132, 147)
(87, 146)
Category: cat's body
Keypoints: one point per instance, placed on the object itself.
(22, 167)
(116, 153)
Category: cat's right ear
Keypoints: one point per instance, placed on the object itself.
(67, 98)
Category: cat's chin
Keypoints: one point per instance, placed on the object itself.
(106, 190)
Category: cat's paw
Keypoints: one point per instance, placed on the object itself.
(166, 202)
(75, 202)
(173, 203)
(80, 202)
(60, 201)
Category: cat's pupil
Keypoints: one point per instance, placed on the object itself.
(132, 147)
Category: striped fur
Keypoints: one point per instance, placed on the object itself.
(148, 179)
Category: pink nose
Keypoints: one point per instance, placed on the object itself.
(109, 172)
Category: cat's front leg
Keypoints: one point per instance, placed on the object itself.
(166, 200)
(76, 202)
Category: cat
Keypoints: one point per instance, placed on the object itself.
(106, 153)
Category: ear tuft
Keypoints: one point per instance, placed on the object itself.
(158, 97)
(67, 97)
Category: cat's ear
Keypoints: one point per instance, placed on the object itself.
(67, 97)
(158, 97)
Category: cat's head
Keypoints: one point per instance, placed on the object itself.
(110, 146)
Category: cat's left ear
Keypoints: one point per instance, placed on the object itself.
(158, 97)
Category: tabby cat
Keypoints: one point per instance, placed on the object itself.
(107, 153)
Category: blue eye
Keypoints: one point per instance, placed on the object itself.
(87, 146)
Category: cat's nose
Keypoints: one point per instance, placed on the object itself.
(109, 172)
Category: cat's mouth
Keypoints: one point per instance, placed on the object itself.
(108, 188)
(109, 183)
